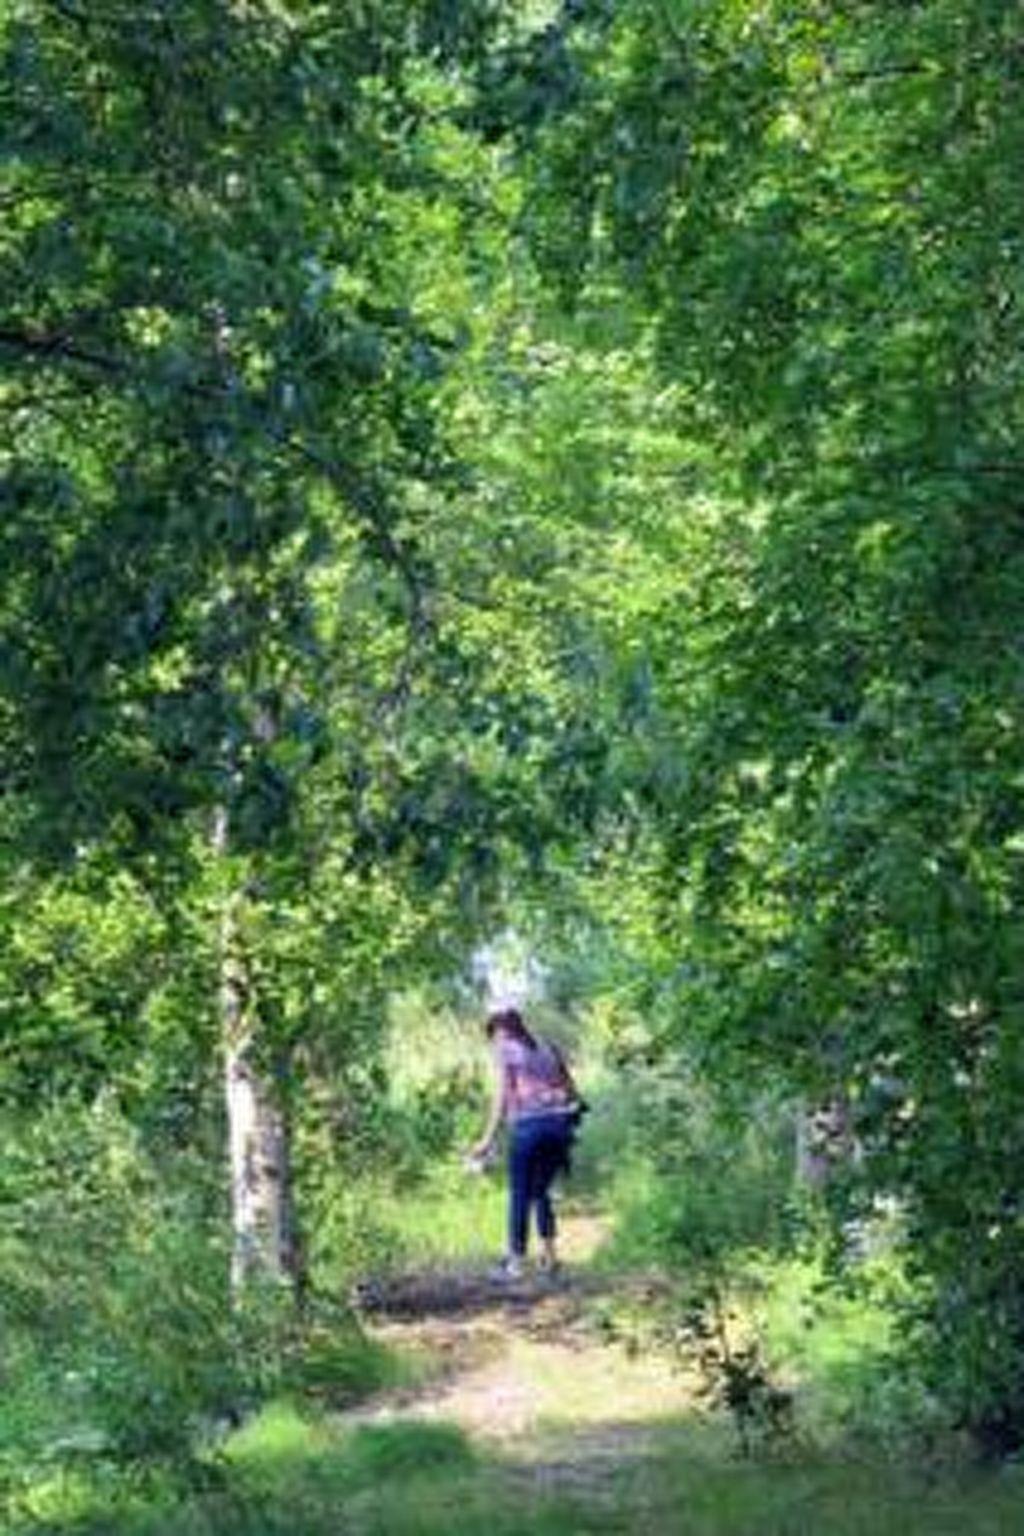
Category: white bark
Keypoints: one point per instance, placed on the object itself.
(824, 1140)
(262, 1232)
(259, 1172)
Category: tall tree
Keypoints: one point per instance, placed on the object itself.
(816, 208)
(221, 456)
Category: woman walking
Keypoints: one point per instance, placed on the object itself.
(535, 1096)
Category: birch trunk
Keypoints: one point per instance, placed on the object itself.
(263, 1238)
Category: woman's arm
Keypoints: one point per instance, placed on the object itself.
(499, 1100)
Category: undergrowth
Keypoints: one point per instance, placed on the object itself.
(287, 1473)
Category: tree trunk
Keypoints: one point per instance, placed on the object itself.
(263, 1232)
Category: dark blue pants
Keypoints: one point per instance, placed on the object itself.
(538, 1152)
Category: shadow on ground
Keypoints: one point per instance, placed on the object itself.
(468, 1293)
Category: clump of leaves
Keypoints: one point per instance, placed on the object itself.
(706, 1190)
(735, 1374)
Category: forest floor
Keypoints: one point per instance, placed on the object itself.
(533, 1409)
(570, 1425)
(529, 1372)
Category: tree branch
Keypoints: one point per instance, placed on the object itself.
(57, 344)
(355, 489)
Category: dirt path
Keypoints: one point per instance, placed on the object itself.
(528, 1371)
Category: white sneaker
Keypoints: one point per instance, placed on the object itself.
(510, 1268)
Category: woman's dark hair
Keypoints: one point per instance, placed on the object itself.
(510, 1020)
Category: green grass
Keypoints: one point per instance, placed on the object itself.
(340, 1364)
(294, 1470)
(838, 1348)
(826, 1499)
(288, 1475)
(454, 1217)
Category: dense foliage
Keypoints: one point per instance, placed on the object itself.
(463, 464)
(818, 210)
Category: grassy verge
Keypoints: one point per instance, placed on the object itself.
(451, 1218)
(839, 1351)
(285, 1473)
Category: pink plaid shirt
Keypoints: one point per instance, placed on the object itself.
(533, 1080)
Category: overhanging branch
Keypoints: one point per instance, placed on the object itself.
(60, 346)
